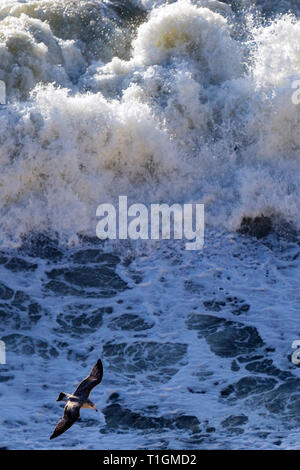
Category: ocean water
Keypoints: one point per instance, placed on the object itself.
(163, 101)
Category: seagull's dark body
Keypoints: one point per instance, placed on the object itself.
(79, 399)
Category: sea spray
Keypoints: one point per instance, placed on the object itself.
(183, 109)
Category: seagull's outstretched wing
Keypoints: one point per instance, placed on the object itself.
(71, 414)
(94, 378)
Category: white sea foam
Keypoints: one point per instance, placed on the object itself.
(189, 112)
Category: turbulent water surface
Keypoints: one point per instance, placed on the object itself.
(162, 101)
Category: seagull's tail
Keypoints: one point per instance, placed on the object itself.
(62, 396)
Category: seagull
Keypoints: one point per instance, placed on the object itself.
(79, 399)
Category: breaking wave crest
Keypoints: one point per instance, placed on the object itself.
(161, 101)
